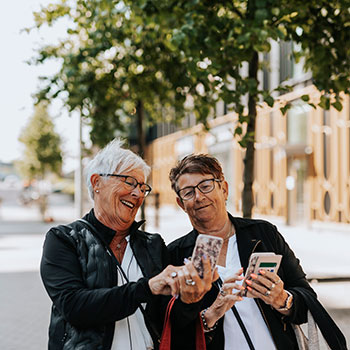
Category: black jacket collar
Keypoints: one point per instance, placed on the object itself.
(106, 233)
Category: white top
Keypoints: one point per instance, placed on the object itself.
(247, 309)
(131, 333)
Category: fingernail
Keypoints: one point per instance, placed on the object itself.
(176, 296)
(186, 261)
(240, 298)
(253, 275)
(248, 282)
(262, 272)
(249, 288)
(205, 256)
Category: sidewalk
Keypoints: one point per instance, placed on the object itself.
(322, 249)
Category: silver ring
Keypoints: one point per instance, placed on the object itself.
(272, 286)
(279, 281)
(173, 274)
(267, 293)
(190, 282)
(223, 293)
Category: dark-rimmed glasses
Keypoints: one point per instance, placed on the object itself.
(132, 183)
(204, 186)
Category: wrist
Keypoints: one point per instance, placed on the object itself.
(208, 320)
(288, 302)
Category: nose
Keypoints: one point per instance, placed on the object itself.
(198, 194)
(137, 191)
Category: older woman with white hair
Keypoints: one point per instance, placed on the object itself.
(103, 274)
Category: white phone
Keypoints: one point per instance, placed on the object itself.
(211, 247)
(262, 261)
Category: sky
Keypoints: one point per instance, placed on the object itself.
(19, 81)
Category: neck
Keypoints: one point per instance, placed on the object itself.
(121, 232)
(220, 230)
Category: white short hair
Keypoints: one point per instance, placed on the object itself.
(114, 159)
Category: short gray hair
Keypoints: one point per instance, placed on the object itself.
(113, 158)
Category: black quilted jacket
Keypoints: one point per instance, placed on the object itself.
(81, 280)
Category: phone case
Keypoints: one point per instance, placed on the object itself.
(209, 245)
(262, 261)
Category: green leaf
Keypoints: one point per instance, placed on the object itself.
(305, 98)
(269, 100)
(337, 105)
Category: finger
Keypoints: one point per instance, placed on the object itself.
(216, 275)
(259, 279)
(253, 284)
(207, 274)
(273, 277)
(232, 287)
(174, 286)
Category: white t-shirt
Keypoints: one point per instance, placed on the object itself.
(247, 309)
(131, 332)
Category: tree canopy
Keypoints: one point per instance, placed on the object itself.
(121, 58)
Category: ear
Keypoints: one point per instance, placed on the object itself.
(224, 186)
(95, 181)
(180, 203)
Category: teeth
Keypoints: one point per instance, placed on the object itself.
(130, 205)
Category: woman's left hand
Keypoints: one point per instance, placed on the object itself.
(268, 287)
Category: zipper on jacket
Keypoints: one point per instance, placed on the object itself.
(64, 337)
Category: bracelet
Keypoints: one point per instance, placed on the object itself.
(205, 324)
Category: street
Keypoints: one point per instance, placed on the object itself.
(24, 304)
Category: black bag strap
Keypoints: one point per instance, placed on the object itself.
(330, 331)
(240, 321)
(111, 254)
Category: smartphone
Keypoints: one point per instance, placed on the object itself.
(262, 261)
(211, 247)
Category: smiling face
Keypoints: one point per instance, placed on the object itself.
(115, 203)
(206, 211)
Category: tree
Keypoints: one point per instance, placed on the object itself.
(141, 57)
(218, 37)
(117, 65)
(42, 153)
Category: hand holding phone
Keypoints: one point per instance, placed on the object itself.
(262, 261)
(211, 247)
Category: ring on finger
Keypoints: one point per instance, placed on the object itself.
(278, 281)
(223, 293)
(173, 274)
(267, 293)
(273, 285)
(190, 282)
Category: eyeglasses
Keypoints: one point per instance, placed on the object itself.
(132, 183)
(204, 186)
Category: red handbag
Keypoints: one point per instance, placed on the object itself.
(165, 342)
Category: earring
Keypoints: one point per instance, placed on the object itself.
(97, 191)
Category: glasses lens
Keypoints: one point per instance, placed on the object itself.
(186, 193)
(131, 181)
(206, 186)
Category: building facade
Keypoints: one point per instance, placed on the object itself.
(302, 161)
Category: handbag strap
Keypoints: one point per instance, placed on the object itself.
(165, 343)
(240, 321)
(110, 252)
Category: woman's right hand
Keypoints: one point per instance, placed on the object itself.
(165, 283)
(225, 300)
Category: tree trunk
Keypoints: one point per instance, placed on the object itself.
(248, 172)
(141, 144)
(141, 139)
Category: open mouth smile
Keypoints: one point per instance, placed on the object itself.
(128, 204)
